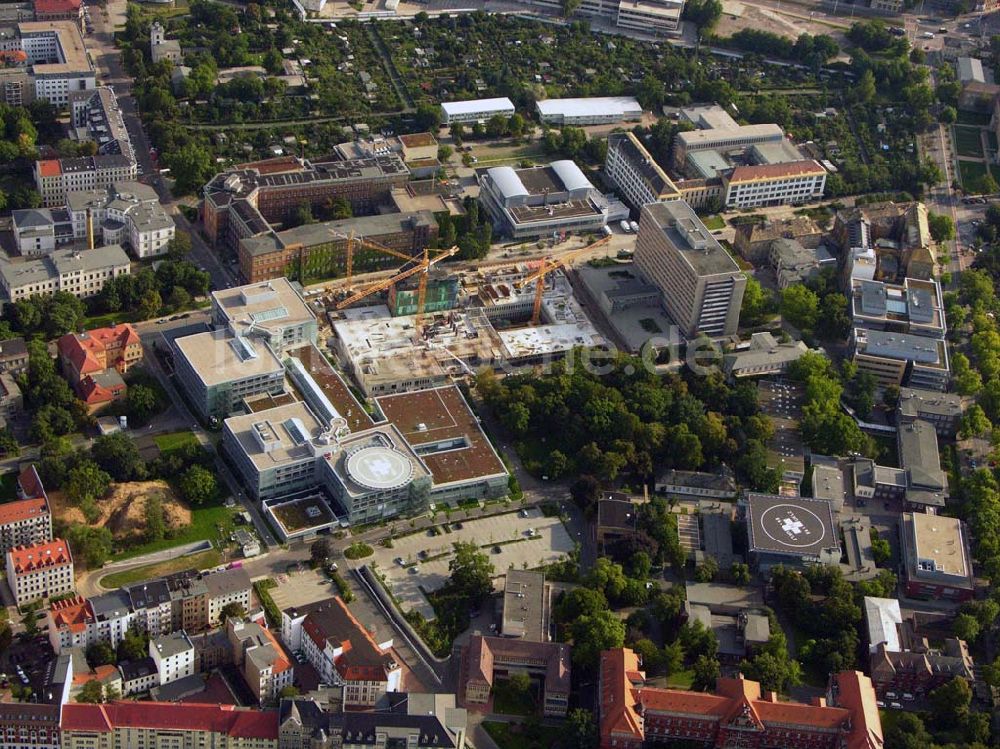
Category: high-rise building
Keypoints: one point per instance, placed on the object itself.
(701, 284)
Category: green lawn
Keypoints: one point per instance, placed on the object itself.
(968, 141)
(714, 222)
(529, 736)
(174, 441)
(972, 173)
(199, 561)
(8, 487)
(205, 526)
(510, 701)
(977, 119)
(681, 680)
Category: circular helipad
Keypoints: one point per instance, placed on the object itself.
(792, 526)
(379, 468)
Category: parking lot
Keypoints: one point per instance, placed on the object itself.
(517, 539)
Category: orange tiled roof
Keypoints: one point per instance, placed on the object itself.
(361, 658)
(71, 613)
(776, 171)
(84, 349)
(281, 663)
(618, 703)
(50, 168)
(25, 509)
(52, 553)
(225, 719)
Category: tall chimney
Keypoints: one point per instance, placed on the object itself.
(90, 230)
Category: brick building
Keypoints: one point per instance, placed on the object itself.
(484, 659)
(739, 713)
(28, 726)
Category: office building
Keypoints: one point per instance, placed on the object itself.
(475, 110)
(764, 356)
(920, 459)
(414, 719)
(38, 231)
(29, 726)
(656, 17)
(701, 284)
(342, 651)
(594, 110)
(634, 173)
(245, 201)
(902, 358)
(265, 666)
(58, 59)
(542, 200)
(120, 724)
(44, 570)
(757, 185)
(26, 521)
(173, 655)
(915, 307)
(125, 213)
(55, 179)
(273, 311)
(320, 250)
(633, 715)
(790, 531)
(526, 606)
(483, 658)
(82, 274)
(943, 411)
(936, 560)
(93, 351)
(218, 371)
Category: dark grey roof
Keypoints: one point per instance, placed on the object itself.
(111, 605)
(228, 581)
(149, 594)
(132, 670)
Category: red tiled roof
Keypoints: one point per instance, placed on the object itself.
(281, 663)
(776, 171)
(52, 553)
(50, 168)
(855, 692)
(226, 719)
(618, 713)
(101, 673)
(11, 512)
(30, 483)
(361, 658)
(83, 349)
(71, 613)
(57, 6)
(92, 392)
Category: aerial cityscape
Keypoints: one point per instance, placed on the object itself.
(503, 374)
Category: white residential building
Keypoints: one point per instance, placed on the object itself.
(126, 213)
(41, 571)
(82, 274)
(26, 521)
(173, 655)
(57, 178)
(226, 587)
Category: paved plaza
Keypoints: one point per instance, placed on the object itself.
(540, 540)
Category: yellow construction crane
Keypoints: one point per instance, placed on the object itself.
(422, 266)
(352, 240)
(549, 265)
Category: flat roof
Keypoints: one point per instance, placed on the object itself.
(706, 138)
(72, 50)
(474, 106)
(525, 606)
(938, 544)
(883, 617)
(333, 387)
(914, 402)
(311, 235)
(429, 418)
(589, 106)
(796, 526)
(261, 303)
(686, 232)
(828, 484)
(217, 356)
(922, 350)
(274, 437)
(781, 152)
(616, 513)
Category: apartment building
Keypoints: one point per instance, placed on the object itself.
(226, 587)
(635, 174)
(244, 202)
(97, 117)
(701, 284)
(266, 667)
(41, 571)
(28, 520)
(173, 655)
(113, 617)
(320, 250)
(93, 351)
(633, 715)
(161, 724)
(68, 623)
(475, 110)
(29, 726)
(151, 603)
(138, 677)
(82, 274)
(343, 652)
(57, 178)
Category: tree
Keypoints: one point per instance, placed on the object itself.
(580, 602)
(444, 153)
(179, 298)
(118, 456)
(592, 634)
(585, 491)
(881, 550)
(975, 423)
(198, 486)
(100, 653)
(141, 404)
(707, 570)
(800, 306)
(967, 380)
(569, 7)
(320, 550)
(134, 646)
(428, 116)
(941, 226)
(471, 572)
(950, 702)
(149, 304)
(703, 14)
(706, 672)
(190, 165)
(579, 730)
(756, 302)
(740, 573)
(156, 527)
(864, 91)
(179, 247)
(87, 483)
(966, 627)
(91, 692)
(92, 544)
(232, 610)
